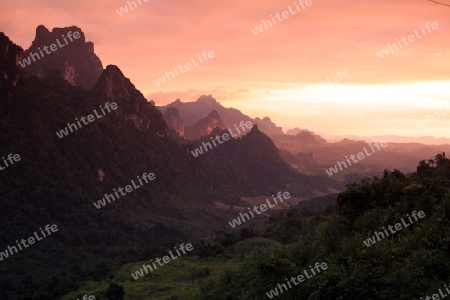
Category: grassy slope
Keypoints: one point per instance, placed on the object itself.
(173, 280)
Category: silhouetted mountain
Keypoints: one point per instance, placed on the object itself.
(402, 156)
(270, 127)
(425, 140)
(296, 131)
(59, 177)
(205, 126)
(173, 120)
(192, 112)
(299, 141)
(112, 86)
(75, 60)
(300, 160)
(255, 159)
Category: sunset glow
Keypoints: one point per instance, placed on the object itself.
(276, 72)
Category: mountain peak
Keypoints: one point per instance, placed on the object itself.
(113, 86)
(207, 100)
(255, 129)
(42, 32)
(256, 133)
(205, 126)
(113, 70)
(192, 112)
(73, 57)
(268, 126)
(255, 136)
(214, 114)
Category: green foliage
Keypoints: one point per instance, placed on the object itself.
(205, 250)
(407, 265)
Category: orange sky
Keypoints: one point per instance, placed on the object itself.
(276, 72)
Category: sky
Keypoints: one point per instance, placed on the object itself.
(278, 72)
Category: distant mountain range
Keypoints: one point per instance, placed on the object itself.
(425, 140)
(296, 131)
(305, 150)
(192, 112)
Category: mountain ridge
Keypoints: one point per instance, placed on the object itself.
(192, 112)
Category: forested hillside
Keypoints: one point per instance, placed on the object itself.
(409, 264)
(251, 262)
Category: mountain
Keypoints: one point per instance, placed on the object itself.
(58, 179)
(401, 156)
(173, 120)
(205, 126)
(75, 60)
(296, 131)
(300, 160)
(300, 140)
(192, 112)
(270, 127)
(310, 152)
(425, 140)
(134, 111)
(74, 150)
(255, 159)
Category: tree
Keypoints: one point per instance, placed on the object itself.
(440, 159)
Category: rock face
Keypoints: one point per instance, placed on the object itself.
(75, 60)
(205, 126)
(10, 53)
(173, 120)
(134, 109)
(10, 73)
